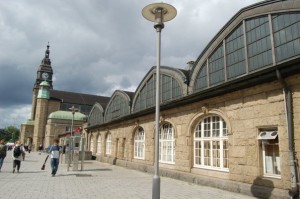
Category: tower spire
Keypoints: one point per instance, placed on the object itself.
(46, 60)
(47, 53)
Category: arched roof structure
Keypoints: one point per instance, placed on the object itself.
(258, 38)
(256, 43)
(118, 106)
(96, 115)
(172, 87)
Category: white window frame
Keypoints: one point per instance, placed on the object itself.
(167, 144)
(139, 144)
(92, 144)
(271, 164)
(108, 144)
(211, 131)
(99, 144)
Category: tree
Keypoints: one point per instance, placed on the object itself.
(5, 135)
(14, 133)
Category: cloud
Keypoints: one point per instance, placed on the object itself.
(96, 46)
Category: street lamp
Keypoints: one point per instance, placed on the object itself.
(73, 109)
(158, 13)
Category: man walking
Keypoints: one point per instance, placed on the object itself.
(55, 153)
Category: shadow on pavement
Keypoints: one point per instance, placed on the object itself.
(32, 171)
(97, 170)
(262, 188)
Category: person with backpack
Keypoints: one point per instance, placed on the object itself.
(3, 149)
(18, 150)
(55, 153)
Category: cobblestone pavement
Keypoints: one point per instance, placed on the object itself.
(98, 180)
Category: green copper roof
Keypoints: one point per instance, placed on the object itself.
(67, 115)
(44, 92)
(44, 83)
(29, 122)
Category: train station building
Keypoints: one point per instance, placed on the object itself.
(231, 119)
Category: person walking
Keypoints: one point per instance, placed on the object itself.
(55, 154)
(29, 148)
(18, 150)
(23, 154)
(3, 149)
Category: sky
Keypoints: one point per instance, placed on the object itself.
(96, 46)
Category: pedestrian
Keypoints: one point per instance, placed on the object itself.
(3, 149)
(18, 150)
(40, 148)
(23, 154)
(29, 148)
(55, 154)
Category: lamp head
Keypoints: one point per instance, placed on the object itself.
(159, 13)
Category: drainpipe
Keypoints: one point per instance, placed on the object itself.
(294, 193)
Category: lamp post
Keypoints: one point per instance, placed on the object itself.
(158, 13)
(73, 109)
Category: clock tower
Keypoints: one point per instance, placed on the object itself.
(44, 73)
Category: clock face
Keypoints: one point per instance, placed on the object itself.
(45, 75)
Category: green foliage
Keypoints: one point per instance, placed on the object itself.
(14, 133)
(5, 135)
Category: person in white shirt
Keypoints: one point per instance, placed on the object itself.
(55, 153)
(18, 150)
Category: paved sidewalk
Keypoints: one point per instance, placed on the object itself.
(98, 180)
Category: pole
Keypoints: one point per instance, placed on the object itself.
(70, 156)
(156, 178)
(158, 13)
(72, 140)
(82, 152)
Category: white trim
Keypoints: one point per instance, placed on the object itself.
(139, 143)
(99, 145)
(167, 141)
(267, 135)
(210, 130)
(108, 144)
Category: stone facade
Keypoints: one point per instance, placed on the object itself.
(245, 112)
(40, 122)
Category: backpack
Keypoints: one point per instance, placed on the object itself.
(17, 151)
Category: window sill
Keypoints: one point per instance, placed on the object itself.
(272, 176)
(212, 168)
(138, 158)
(163, 162)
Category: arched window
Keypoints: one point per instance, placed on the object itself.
(108, 144)
(211, 144)
(118, 107)
(171, 88)
(99, 144)
(139, 143)
(92, 145)
(166, 144)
